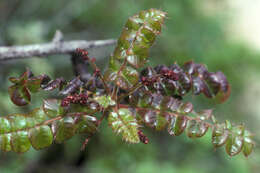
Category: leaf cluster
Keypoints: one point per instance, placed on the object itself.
(128, 95)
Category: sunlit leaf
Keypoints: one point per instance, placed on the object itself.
(235, 141)
(131, 51)
(122, 122)
(20, 142)
(248, 143)
(5, 125)
(105, 101)
(5, 142)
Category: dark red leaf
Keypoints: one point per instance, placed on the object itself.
(19, 95)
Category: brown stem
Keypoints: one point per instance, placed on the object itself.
(102, 117)
(51, 120)
(131, 90)
(97, 70)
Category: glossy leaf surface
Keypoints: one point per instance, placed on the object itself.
(20, 91)
(196, 129)
(41, 137)
(219, 135)
(123, 122)
(132, 48)
(63, 129)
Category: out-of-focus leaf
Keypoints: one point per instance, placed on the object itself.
(20, 142)
(5, 126)
(73, 85)
(41, 137)
(5, 142)
(34, 83)
(248, 143)
(187, 107)
(53, 84)
(38, 115)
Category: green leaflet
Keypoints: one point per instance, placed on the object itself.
(38, 116)
(248, 143)
(64, 129)
(104, 101)
(132, 48)
(18, 132)
(68, 126)
(20, 142)
(235, 140)
(5, 125)
(124, 123)
(5, 142)
(41, 137)
(52, 108)
(18, 122)
(86, 124)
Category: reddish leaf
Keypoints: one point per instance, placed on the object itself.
(177, 125)
(19, 96)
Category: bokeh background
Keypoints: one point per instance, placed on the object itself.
(214, 32)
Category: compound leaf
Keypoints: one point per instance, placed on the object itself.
(131, 51)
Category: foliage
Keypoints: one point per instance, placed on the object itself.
(128, 97)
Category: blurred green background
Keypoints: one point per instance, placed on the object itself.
(197, 30)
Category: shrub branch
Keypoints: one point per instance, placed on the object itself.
(56, 46)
